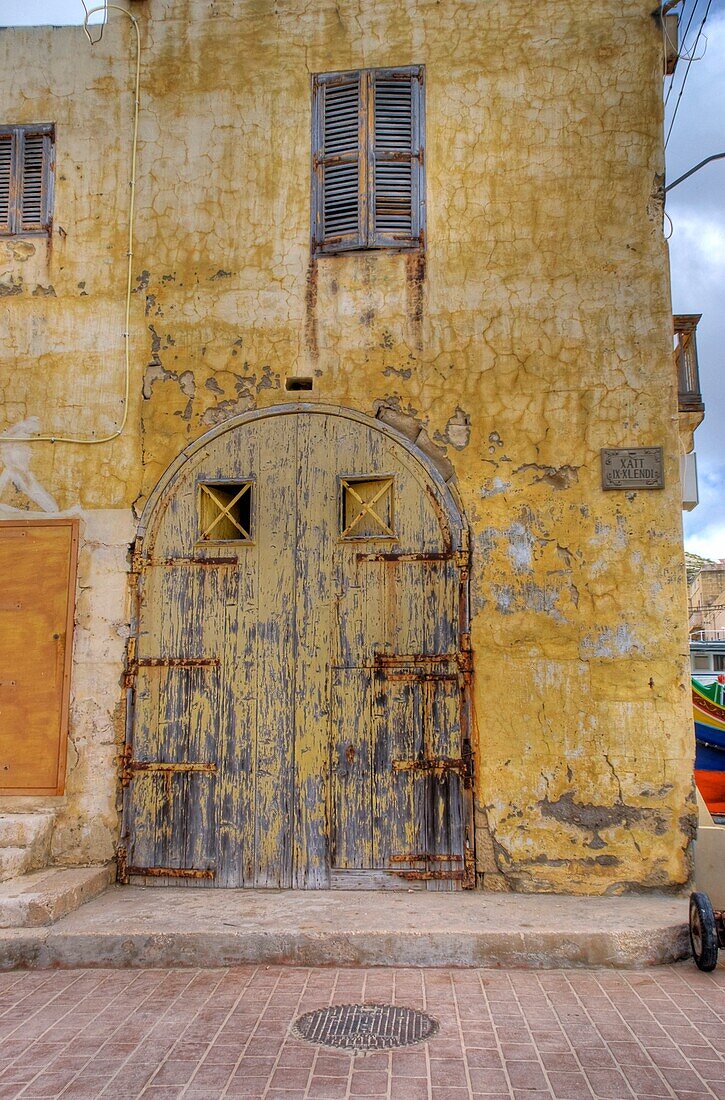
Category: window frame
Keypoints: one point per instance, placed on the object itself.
(346, 481)
(368, 238)
(226, 483)
(18, 134)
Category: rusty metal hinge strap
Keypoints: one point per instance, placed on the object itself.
(176, 662)
(459, 557)
(428, 764)
(433, 556)
(209, 562)
(425, 857)
(135, 663)
(171, 872)
(419, 676)
(121, 865)
(428, 876)
(469, 861)
(392, 660)
(129, 767)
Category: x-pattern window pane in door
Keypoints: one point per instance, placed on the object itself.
(225, 511)
(367, 507)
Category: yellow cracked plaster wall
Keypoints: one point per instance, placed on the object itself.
(536, 331)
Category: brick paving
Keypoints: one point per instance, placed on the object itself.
(203, 1034)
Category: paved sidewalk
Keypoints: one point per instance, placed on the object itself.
(207, 1034)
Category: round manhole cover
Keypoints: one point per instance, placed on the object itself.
(365, 1027)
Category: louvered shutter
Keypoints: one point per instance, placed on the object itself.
(338, 185)
(396, 158)
(33, 187)
(26, 178)
(6, 162)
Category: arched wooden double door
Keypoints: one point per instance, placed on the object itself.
(298, 689)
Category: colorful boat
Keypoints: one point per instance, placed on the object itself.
(708, 702)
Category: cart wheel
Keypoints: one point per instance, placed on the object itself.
(703, 932)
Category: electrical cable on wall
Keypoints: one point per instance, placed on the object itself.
(672, 227)
(681, 50)
(105, 7)
(668, 42)
(94, 41)
(687, 70)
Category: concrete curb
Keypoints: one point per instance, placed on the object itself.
(118, 934)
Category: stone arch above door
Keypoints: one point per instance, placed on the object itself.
(299, 690)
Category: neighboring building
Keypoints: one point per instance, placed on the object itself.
(706, 592)
(398, 279)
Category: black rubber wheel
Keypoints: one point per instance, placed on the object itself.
(703, 932)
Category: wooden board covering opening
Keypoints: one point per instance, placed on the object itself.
(37, 600)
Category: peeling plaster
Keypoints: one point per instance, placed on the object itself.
(497, 485)
(15, 472)
(616, 641)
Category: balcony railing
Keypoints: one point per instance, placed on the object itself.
(707, 635)
(688, 373)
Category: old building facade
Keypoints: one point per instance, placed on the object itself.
(353, 605)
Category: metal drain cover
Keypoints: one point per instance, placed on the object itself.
(365, 1027)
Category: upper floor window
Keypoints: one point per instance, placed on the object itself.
(368, 186)
(26, 179)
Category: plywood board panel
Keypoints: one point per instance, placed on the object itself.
(38, 566)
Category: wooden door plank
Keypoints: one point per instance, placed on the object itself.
(360, 628)
(317, 533)
(237, 457)
(444, 809)
(237, 737)
(351, 770)
(276, 666)
(397, 736)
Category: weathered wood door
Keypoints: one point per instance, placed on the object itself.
(298, 685)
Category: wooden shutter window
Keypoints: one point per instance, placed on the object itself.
(32, 192)
(397, 158)
(367, 188)
(26, 179)
(6, 154)
(337, 162)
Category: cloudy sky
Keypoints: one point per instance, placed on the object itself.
(697, 254)
(697, 211)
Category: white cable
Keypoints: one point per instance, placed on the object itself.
(105, 7)
(95, 41)
(672, 227)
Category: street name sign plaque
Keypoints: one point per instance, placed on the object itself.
(632, 468)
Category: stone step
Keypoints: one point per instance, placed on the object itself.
(25, 830)
(136, 926)
(24, 842)
(43, 897)
(14, 862)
